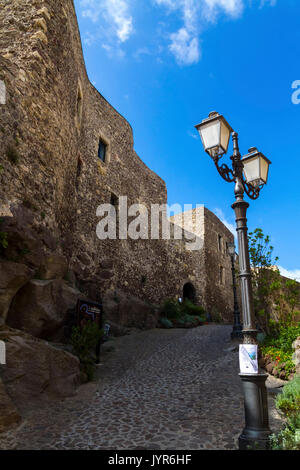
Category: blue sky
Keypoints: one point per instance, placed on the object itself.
(165, 64)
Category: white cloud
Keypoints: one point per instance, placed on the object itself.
(230, 225)
(185, 47)
(115, 12)
(291, 274)
(185, 43)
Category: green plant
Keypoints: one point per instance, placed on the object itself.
(188, 308)
(12, 154)
(1, 169)
(3, 240)
(165, 322)
(215, 316)
(43, 214)
(84, 341)
(289, 403)
(27, 203)
(279, 346)
(171, 309)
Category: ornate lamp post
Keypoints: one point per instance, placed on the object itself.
(249, 174)
(237, 327)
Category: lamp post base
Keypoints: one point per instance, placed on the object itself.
(237, 332)
(256, 433)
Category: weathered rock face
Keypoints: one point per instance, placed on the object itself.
(40, 308)
(53, 180)
(9, 415)
(129, 311)
(35, 370)
(53, 267)
(296, 355)
(12, 277)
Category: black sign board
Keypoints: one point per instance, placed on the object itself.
(87, 310)
(90, 311)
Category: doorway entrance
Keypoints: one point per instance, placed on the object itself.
(189, 292)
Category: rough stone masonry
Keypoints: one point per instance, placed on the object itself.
(52, 181)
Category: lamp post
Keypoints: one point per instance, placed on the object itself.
(249, 174)
(237, 327)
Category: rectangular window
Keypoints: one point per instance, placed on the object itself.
(220, 242)
(102, 150)
(222, 275)
(114, 200)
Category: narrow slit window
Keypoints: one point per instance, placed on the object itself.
(220, 242)
(222, 275)
(114, 200)
(102, 150)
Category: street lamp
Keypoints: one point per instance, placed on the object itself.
(237, 327)
(249, 175)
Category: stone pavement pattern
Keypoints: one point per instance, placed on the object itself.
(158, 389)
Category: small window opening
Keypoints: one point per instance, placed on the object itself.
(79, 105)
(220, 242)
(78, 171)
(102, 150)
(222, 275)
(114, 200)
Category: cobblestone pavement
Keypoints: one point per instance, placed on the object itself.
(159, 389)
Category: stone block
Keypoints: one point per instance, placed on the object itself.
(13, 276)
(40, 307)
(35, 370)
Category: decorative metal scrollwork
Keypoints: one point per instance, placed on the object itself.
(251, 191)
(231, 175)
(224, 171)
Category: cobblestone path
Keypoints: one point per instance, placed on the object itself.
(159, 389)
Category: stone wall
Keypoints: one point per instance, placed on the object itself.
(52, 180)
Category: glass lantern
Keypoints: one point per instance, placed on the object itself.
(215, 133)
(256, 167)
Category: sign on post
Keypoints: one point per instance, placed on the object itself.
(248, 359)
(90, 311)
(2, 353)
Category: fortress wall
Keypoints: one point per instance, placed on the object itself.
(219, 294)
(50, 126)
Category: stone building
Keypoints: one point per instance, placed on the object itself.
(64, 151)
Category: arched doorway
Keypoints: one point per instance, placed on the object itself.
(189, 292)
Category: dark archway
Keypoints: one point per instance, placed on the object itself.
(189, 292)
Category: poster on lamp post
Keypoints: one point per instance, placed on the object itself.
(248, 359)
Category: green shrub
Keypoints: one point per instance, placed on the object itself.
(165, 322)
(84, 341)
(289, 400)
(289, 403)
(3, 240)
(12, 154)
(279, 346)
(188, 308)
(171, 309)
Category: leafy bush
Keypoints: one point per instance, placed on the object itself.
(171, 309)
(182, 314)
(289, 400)
(3, 240)
(165, 322)
(84, 341)
(188, 308)
(279, 346)
(12, 154)
(289, 403)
